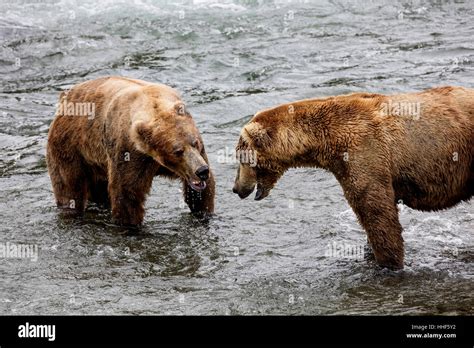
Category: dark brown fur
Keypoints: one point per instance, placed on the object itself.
(136, 120)
(378, 159)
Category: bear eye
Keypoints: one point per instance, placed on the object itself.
(178, 152)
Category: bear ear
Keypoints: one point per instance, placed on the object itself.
(143, 130)
(142, 135)
(256, 135)
(180, 109)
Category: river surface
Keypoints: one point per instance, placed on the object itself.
(229, 60)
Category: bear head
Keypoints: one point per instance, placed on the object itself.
(258, 164)
(168, 134)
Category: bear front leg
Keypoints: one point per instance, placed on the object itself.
(69, 182)
(129, 184)
(377, 212)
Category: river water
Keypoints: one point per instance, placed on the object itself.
(229, 60)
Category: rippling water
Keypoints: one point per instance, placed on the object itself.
(229, 59)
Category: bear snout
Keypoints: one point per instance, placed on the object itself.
(202, 173)
(242, 192)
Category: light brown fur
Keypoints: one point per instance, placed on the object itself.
(139, 130)
(427, 161)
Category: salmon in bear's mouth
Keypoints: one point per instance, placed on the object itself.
(197, 185)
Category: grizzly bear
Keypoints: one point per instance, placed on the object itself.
(110, 138)
(415, 148)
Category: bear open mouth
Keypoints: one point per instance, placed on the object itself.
(197, 185)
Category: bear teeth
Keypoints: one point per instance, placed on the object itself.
(197, 185)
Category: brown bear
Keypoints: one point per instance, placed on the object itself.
(112, 135)
(415, 148)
